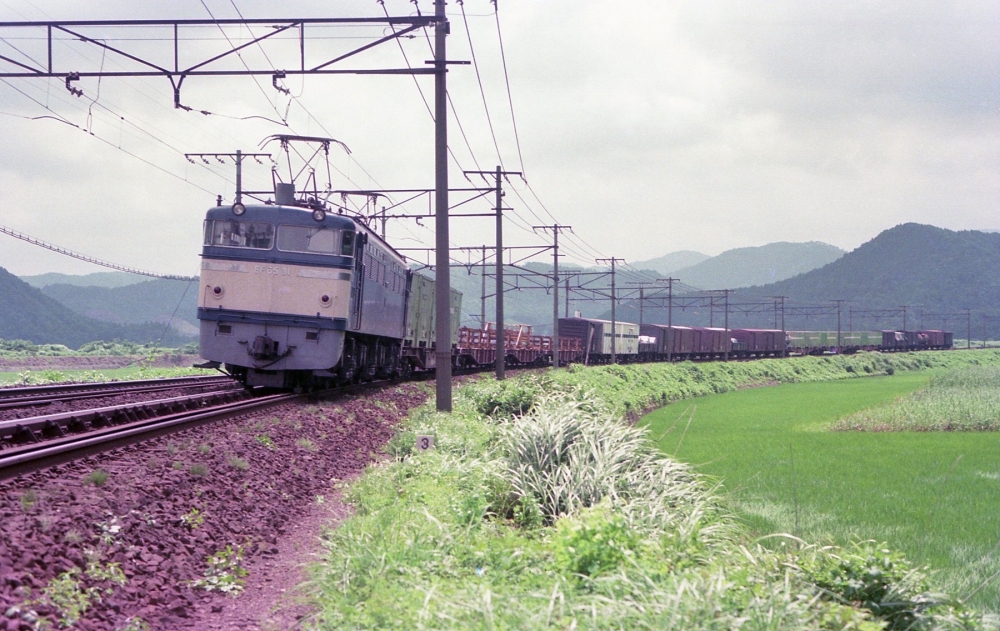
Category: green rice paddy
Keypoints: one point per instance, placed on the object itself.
(933, 495)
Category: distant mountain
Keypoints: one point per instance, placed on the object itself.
(147, 301)
(28, 314)
(745, 267)
(97, 279)
(910, 264)
(670, 263)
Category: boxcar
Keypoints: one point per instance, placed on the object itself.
(595, 339)
(758, 342)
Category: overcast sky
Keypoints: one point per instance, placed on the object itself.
(648, 126)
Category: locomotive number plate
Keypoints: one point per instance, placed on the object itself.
(271, 270)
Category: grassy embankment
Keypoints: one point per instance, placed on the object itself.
(21, 349)
(540, 508)
(932, 495)
(135, 371)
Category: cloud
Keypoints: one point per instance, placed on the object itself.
(649, 127)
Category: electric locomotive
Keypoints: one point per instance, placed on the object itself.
(294, 296)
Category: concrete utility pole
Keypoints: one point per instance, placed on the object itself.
(482, 293)
(614, 299)
(501, 346)
(780, 302)
(442, 273)
(670, 318)
(838, 302)
(556, 229)
(904, 308)
(567, 298)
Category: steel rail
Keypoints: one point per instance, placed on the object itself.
(78, 420)
(57, 388)
(39, 401)
(28, 458)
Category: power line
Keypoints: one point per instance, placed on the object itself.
(83, 257)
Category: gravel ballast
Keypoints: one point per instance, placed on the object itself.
(69, 539)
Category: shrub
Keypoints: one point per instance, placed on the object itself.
(870, 576)
(593, 542)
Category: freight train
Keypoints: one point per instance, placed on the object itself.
(294, 296)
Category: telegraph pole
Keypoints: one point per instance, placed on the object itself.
(501, 346)
(556, 229)
(838, 303)
(780, 301)
(482, 292)
(904, 307)
(614, 299)
(567, 298)
(441, 242)
(670, 318)
(968, 338)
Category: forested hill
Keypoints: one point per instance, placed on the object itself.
(28, 314)
(911, 264)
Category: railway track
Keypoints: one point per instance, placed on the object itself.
(38, 396)
(60, 438)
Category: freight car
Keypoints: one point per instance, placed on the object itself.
(820, 342)
(292, 296)
(595, 338)
(916, 340)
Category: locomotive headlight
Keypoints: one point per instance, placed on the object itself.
(325, 300)
(217, 292)
(239, 209)
(319, 214)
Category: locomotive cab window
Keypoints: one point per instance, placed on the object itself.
(239, 234)
(311, 239)
(347, 247)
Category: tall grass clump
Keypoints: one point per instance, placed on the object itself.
(963, 399)
(542, 507)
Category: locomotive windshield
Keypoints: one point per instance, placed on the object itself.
(239, 234)
(312, 239)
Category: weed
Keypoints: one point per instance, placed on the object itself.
(198, 469)
(28, 499)
(237, 463)
(204, 448)
(224, 572)
(68, 597)
(97, 477)
(73, 537)
(178, 465)
(134, 624)
(110, 572)
(193, 519)
(109, 531)
(265, 440)
(172, 449)
(45, 522)
(305, 443)
(594, 542)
